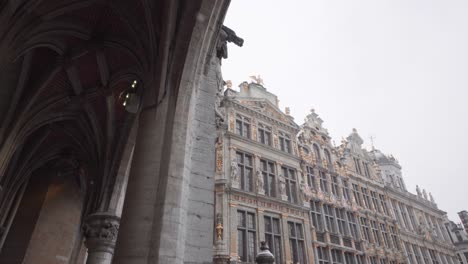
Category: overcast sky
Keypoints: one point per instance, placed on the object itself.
(396, 70)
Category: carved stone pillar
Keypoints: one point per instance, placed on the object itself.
(100, 231)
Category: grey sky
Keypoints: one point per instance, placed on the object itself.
(396, 70)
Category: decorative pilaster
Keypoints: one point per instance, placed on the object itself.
(100, 231)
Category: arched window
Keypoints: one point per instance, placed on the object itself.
(317, 154)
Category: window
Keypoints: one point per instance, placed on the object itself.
(459, 258)
(409, 253)
(458, 235)
(383, 261)
(373, 260)
(296, 242)
(336, 256)
(345, 190)
(243, 126)
(316, 215)
(357, 166)
(291, 184)
(417, 254)
(264, 134)
(375, 232)
(273, 237)
(349, 258)
(375, 201)
(404, 216)
(341, 219)
(329, 218)
(365, 229)
(268, 173)
(357, 194)
(394, 236)
(396, 212)
(366, 197)
(425, 255)
(383, 229)
(433, 255)
(411, 217)
(360, 259)
(245, 168)
(329, 160)
(366, 169)
(335, 185)
(285, 142)
(317, 154)
(323, 182)
(322, 254)
(311, 177)
(383, 204)
(246, 248)
(352, 225)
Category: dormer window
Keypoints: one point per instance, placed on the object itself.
(264, 134)
(285, 142)
(243, 126)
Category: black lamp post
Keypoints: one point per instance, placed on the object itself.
(264, 256)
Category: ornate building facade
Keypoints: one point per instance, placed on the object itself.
(313, 202)
(459, 237)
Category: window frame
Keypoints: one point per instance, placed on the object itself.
(274, 237)
(246, 230)
(243, 167)
(269, 177)
(264, 134)
(243, 126)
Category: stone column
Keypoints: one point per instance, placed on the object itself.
(287, 248)
(100, 231)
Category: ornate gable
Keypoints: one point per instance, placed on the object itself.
(267, 108)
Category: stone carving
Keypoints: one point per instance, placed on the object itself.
(260, 182)
(228, 84)
(305, 192)
(282, 185)
(100, 231)
(226, 35)
(219, 154)
(234, 170)
(275, 139)
(431, 198)
(418, 191)
(257, 79)
(424, 194)
(219, 227)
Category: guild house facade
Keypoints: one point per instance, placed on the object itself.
(312, 201)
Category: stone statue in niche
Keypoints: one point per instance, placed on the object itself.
(219, 226)
(234, 170)
(282, 185)
(305, 192)
(260, 182)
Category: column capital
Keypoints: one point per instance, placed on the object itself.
(100, 231)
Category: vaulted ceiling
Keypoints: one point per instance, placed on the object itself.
(67, 71)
